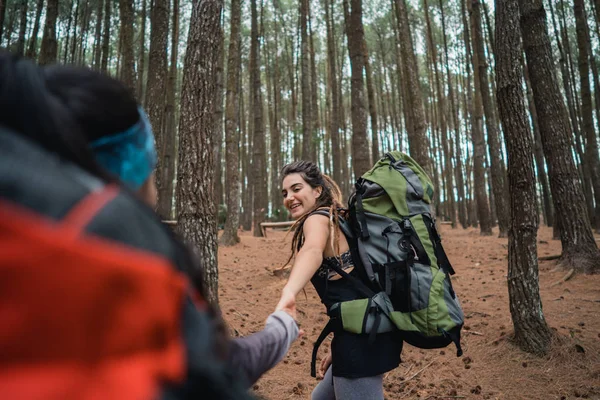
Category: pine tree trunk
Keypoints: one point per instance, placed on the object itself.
(165, 198)
(142, 46)
(539, 154)
(22, 28)
(32, 46)
(591, 144)
(372, 107)
(579, 248)
(483, 210)
(334, 120)
(2, 16)
(259, 166)
(306, 106)
(195, 177)
(106, 37)
(441, 111)
(417, 135)
(48, 52)
(496, 164)
(98, 35)
(232, 140)
(314, 96)
(355, 36)
(531, 330)
(155, 88)
(218, 141)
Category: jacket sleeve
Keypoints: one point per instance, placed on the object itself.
(255, 354)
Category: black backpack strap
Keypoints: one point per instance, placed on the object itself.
(330, 327)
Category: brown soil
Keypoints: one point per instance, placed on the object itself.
(492, 366)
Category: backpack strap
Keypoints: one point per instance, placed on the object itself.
(87, 208)
(330, 327)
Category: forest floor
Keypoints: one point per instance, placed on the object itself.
(492, 367)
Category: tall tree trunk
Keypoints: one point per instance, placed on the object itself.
(539, 154)
(142, 46)
(165, 198)
(259, 166)
(441, 111)
(127, 57)
(579, 247)
(496, 164)
(531, 330)
(334, 120)
(306, 99)
(32, 46)
(2, 16)
(355, 34)
(155, 86)
(372, 106)
(195, 177)
(314, 96)
(232, 140)
(483, 210)
(591, 144)
(417, 134)
(75, 25)
(106, 37)
(22, 28)
(218, 141)
(48, 52)
(98, 35)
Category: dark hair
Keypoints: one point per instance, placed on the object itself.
(31, 110)
(101, 105)
(330, 198)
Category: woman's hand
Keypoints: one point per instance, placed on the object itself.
(325, 363)
(287, 303)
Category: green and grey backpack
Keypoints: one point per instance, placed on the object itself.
(403, 282)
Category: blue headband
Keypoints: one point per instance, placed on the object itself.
(130, 155)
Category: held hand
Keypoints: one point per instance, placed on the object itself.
(325, 363)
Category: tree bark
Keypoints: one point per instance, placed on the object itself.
(591, 144)
(417, 134)
(579, 248)
(155, 90)
(355, 35)
(259, 166)
(481, 198)
(232, 141)
(126, 36)
(98, 35)
(441, 112)
(2, 16)
(48, 52)
(106, 37)
(372, 106)
(142, 46)
(306, 98)
(32, 46)
(539, 154)
(531, 330)
(334, 119)
(165, 199)
(481, 82)
(22, 28)
(195, 178)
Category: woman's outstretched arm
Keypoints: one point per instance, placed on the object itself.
(308, 259)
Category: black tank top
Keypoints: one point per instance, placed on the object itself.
(353, 355)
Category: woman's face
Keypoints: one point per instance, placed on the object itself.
(298, 196)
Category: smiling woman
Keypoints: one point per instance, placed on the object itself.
(354, 367)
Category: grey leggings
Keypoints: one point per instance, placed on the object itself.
(370, 387)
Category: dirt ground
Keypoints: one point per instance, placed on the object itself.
(491, 367)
